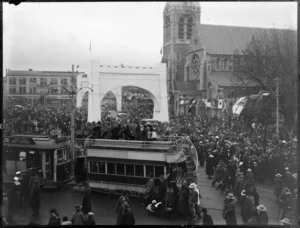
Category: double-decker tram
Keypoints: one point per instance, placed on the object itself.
(115, 166)
(38, 152)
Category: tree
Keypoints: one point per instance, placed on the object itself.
(267, 56)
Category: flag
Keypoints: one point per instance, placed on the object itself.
(161, 51)
(90, 46)
(122, 65)
(239, 105)
(77, 66)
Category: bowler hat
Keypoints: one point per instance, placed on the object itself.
(230, 196)
(192, 185)
(78, 206)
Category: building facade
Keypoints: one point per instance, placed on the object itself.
(201, 60)
(29, 86)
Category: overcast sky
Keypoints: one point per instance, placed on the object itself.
(53, 36)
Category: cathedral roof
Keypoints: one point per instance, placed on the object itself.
(185, 86)
(224, 40)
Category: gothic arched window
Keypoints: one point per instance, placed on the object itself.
(167, 28)
(181, 28)
(225, 64)
(189, 28)
(218, 62)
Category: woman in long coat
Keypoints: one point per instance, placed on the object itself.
(249, 208)
(35, 199)
(278, 185)
(229, 211)
(210, 166)
(183, 201)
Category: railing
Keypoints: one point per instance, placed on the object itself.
(170, 146)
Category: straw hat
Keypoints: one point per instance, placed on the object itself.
(154, 201)
(192, 185)
(18, 172)
(278, 175)
(90, 213)
(249, 170)
(261, 208)
(211, 156)
(230, 196)
(288, 193)
(16, 178)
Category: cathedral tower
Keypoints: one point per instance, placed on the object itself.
(179, 21)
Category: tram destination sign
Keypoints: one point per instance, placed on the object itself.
(21, 140)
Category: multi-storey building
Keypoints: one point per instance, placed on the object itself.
(29, 86)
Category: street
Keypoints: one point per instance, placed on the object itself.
(103, 206)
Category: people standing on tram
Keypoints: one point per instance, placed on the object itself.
(122, 199)
(162, 186)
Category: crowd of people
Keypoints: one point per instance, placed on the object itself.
(238, 153)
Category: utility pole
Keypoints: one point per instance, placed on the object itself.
(72, 123)
(277, 108)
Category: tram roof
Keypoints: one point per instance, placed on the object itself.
(34, 142)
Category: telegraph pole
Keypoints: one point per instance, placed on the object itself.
(277, 107)
(72, 124)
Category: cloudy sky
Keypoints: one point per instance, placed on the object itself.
(53, 36)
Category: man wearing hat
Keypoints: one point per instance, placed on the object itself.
(285, 202)
(239, 186)
(194, 203)
(207, 220)
(210, 166)
(90, 219)
(229, 210)
(87, 198)
(77, 217)
(262, 216)
(249, 178)
(278, 185)
(35, 199)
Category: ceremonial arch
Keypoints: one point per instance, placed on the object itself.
(112, 78)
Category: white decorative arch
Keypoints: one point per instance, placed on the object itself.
(108, 78)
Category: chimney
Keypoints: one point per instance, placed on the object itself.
(30, 69)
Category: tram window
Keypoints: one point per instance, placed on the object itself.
(22, 156)
(93, 167)
(111, 168)
(120, 169)
(139, 170)
(149, 169)
(129, 170)
(159, 170)
(101, 167)
(60, 157)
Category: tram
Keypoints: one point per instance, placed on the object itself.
(37, 152)
(115, 166)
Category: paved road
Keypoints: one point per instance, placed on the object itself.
(104, 206)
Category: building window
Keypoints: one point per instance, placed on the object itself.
(22, 90)
(33, 90)
(22, 81)
(167, 28)
(209, 67)
(218, 62)
(32, 80)
(93, 167)
(181, 28)
(111, 168)
(129, 170)
(43, 81)
(139, 170)
(53, 81)
(12, 90)
(189, 28)
(64, 81)
(225, 64)
(12, 81)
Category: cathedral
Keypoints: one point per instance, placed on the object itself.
(200, 61)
